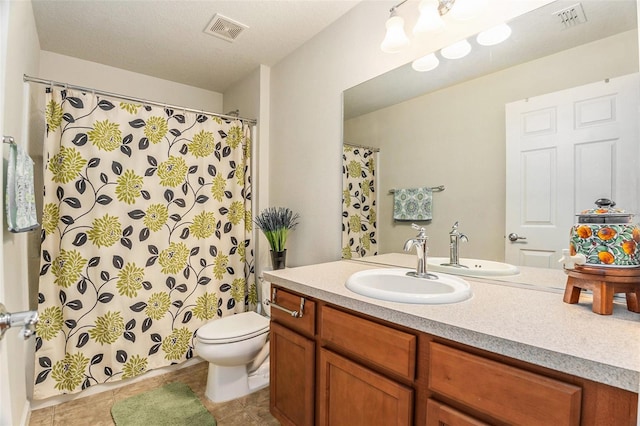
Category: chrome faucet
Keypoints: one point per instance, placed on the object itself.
(420, 243)
(26, 319)
(455, 238)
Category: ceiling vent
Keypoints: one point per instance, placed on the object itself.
(571, 16)
(225, 28)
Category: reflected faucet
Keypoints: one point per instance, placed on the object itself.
(420, 243)
(455, 238)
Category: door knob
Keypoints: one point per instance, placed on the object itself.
(513, 237)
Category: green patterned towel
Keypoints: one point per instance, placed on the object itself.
(412, 204)
(20, 199)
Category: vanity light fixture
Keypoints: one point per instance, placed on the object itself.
(426, 63)
(457, 50)
(395, 40)
(494, 35)
(429, 21)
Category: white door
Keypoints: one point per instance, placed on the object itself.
(564, 151)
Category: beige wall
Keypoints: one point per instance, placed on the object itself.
(455, 137)
(89, 74)
(251, 97)
(23, 49)
(306, 115)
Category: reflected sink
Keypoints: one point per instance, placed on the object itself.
(394, 285)
(475, 267)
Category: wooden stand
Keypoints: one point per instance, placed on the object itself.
(604, 283)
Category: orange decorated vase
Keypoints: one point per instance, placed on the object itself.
(606, 237)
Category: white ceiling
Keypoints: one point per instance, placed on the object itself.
(165, 39)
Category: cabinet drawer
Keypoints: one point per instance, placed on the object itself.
(439, 414)
(383, 346)
(293, 302)
(506, 393)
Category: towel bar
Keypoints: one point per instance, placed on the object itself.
(8, 139)
(433, 188)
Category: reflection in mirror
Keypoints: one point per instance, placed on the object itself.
(359, 201)
(447, 126)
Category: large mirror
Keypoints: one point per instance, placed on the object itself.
(447, 126)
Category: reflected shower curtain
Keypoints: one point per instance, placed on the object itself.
(359, 233)
(146, 236)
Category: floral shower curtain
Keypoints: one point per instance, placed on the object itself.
(146, 236)
(359, 237)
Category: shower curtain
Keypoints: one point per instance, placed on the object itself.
(146, 235)
(359, 237)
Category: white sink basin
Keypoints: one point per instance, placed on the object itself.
(394, 285)
(474, 267)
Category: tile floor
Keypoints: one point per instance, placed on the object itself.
(95, 410)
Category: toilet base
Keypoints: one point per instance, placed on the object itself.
(227, 383)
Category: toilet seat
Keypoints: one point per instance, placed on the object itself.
(233, 328)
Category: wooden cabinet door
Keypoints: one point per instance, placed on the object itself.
(439, 414)
(292, 381)
(352, 395)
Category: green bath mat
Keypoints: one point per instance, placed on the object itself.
(174, 404)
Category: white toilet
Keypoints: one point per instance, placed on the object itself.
(237, 350)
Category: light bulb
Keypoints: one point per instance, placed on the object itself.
(395, 40)
(429, 19)
(494, 35)
(464, 10)
(426, 63)
(456, 50)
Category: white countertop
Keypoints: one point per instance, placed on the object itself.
(506, 315)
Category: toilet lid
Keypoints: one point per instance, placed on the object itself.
(233, 328)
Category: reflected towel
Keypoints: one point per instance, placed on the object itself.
(20, 196)
(412, 204)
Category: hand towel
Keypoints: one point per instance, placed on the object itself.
(20, 199)
(412, 204)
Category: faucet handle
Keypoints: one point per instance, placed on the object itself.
(417, 227)
(422, 231)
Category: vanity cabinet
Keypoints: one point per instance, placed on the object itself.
(364, 385)
(340, 367)
(292, 359)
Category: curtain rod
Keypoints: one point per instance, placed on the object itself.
(362, 146)
(29, 79)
